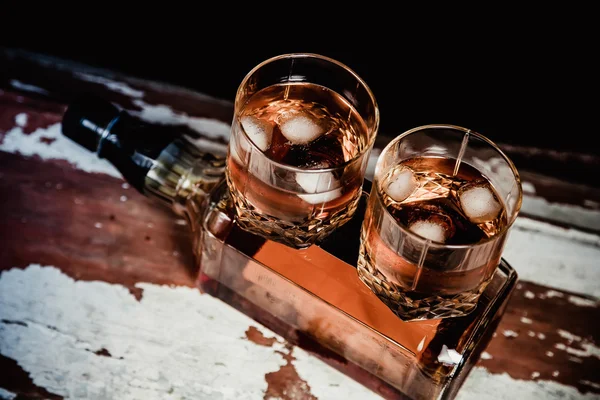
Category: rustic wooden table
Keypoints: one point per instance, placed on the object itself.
(97, 293)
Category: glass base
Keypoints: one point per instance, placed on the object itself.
(314, 298)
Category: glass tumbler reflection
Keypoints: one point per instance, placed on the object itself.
(302, 131)
(441, 206)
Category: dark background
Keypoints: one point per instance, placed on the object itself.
(517, 84)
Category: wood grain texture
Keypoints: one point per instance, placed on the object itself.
(86, 228)
(538, 333)
(94, 228)
(92, 235)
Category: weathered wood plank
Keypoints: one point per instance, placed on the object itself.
(548, 335)
(61, 208)
(92, 225)
(91, 234)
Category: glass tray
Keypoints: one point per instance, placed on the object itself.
(314, 298)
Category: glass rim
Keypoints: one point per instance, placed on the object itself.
(494, 146)
(372, 132)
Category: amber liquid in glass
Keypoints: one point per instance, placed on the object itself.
(284, 204)
(418, 279)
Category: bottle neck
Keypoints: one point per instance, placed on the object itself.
(181, 171)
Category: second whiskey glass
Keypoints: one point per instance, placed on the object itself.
(440, 209)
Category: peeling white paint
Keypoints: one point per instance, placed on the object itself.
(526, 320)
(21, 119)
(163, 114)
(115, 86)
(216, 148)
(565, 213)
(569, 336)
(27, 87)
(527, 229)
(565, 259)
(589, 350)
(509, 333)
(62, 148)
(549, 354)
(591, 384)
(528, 294)
(486, 356)
(482, 385)
(73, 67)
(553, 293)
(174, 343)
(528, 187)
(327, 383)
(591, 204)
(535, 374)
(572, 234)
(570, 266)
(582, 301)
(6, 395)
(539, 207)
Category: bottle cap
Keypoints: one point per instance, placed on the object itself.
(88, 120)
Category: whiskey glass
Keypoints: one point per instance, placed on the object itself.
(440, 209)
(303, 128)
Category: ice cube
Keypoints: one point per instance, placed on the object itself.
(429, 230)
(321, 187)
(478, 202)
(402, 184)
(258, 130)
(300, 129)
(316, 182)
(320, 198)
